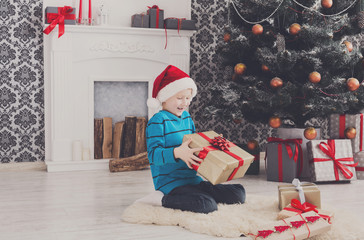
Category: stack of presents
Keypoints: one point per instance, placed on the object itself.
(154, 18)
(290, 158)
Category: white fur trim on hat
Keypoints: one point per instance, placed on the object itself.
(175, 87)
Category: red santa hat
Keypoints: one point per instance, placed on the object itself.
(171, 81)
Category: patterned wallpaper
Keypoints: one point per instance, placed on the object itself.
(21, 81)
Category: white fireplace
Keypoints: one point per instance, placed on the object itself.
(88, 54)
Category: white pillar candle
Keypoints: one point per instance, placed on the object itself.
(86, 154)
(77, 150)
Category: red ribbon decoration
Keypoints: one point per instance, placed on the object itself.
(360, 169)
(58, 18)
(329, 149)
(361, 132)
(342, 126)
(157, 17)
(219, 143)
(179, 24)
(297, 155)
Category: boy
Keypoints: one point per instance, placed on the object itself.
(170, 159)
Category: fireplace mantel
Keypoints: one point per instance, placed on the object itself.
(85, 54)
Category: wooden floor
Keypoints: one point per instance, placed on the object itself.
(36, 205)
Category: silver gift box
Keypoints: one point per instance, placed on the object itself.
(359, 158)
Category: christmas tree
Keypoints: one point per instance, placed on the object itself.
(290, 60)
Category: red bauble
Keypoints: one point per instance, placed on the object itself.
(257, 29)
(252, 144)
(348, 45)
(227, 37)
(310, 133)
(314, 77)
(353, 84)
(265, 68)
(275, 122)
(350, 132)
(326, 3)
(239, 68)
(276, 82)
(294, 29)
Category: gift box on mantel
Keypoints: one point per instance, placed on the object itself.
(331, 160)
(292, 133)
(52, 13)
(223, 160)
(140, 20)
(298, 227)
(296, 207)
(179, 23)
(359, 158)
(156, 17)
(309, 192)
(284, 159)
(339, 123)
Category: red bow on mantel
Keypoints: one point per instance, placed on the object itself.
(219, 143)
(329, 149)
(58, 18)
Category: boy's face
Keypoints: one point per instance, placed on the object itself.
(178, 102)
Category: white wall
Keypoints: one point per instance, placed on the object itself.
(120, 11)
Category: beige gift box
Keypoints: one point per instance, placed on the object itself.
(287, 192)
(305, 231)
(218, 165)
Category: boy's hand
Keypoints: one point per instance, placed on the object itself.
(185, 153)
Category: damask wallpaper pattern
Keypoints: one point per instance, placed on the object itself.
(21, 81)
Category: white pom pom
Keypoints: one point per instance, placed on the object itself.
(153, 103)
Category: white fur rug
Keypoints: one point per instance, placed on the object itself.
(235, 220)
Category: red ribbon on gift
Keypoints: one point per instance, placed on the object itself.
(361, 132)
(58, 18)
(157, 17)
(342, 124)
(179, 24)
(329, 149)
(360, 169)
(297, 155)
(219, 143)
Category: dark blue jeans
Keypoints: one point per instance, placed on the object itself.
(203, 197)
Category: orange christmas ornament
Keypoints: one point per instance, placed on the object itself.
(314, 77)
(239, 68)
(353, 84)
(294, 29)
(257, 29)
(276, 82)
(350, 132)
(275, 122)
(326, 3)
(227, 37)
(265, 68)
(348, 45)
(252, 144)
(310, 133)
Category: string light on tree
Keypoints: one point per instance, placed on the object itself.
(310, 133)
(257, 29)
(314, 77)
(350, 132)
(227, 37)
(276, 82)
(265, 68)
(326, 3)
(275, 122)
(353, 84)
(239, 68)
(294, 29)
(252, 144)
(348, 45)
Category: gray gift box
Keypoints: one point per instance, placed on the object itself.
(71, 15)
(291, 133)
(324, 171)
(153, 18)
(182, 24)
(287, 168)
(140, 20)
(359, 158)
(351, 120)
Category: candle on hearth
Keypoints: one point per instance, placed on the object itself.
(86, 154)
(77, 150)
(80, 13)
(89, 12)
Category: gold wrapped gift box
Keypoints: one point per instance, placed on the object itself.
(219, 165)
(287, 192)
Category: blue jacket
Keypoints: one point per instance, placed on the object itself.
(165, 131)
